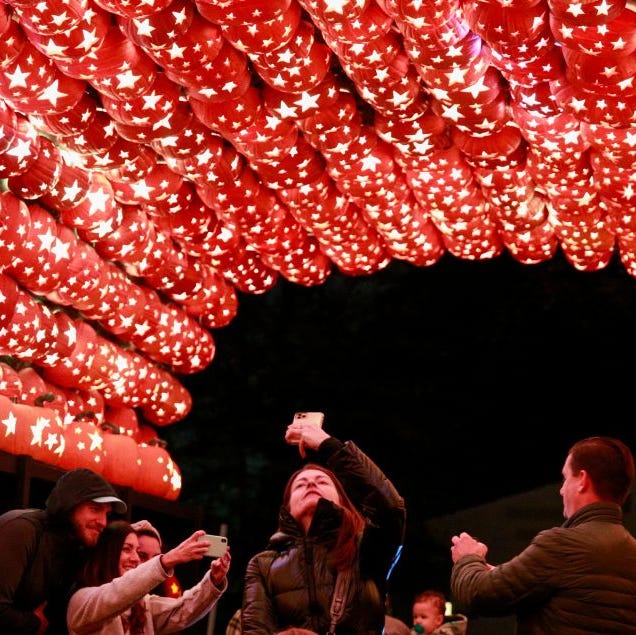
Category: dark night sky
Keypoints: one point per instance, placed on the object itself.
(465, 381)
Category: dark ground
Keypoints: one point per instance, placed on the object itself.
(465, 381)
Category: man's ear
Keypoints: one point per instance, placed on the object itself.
(585, 482)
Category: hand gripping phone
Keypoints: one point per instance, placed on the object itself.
(218, 545)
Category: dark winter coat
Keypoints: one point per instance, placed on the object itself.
(40, 555)
(291, 582)
(577, 579)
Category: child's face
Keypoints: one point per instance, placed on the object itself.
(427, 616)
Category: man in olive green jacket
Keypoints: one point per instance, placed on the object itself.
(576, 579)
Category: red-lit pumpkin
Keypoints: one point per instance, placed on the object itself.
(172, 587)
(83, 446)
(38, 432)
(145, 433)
(55, 398)
(33, 386)
(155, 466)
(119, 463)
(123, 417)
(10, 382)
(8, 423)
(175, 483)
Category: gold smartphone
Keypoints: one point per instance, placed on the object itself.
(218, 545)
(312, 418)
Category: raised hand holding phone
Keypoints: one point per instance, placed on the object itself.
(306, 431)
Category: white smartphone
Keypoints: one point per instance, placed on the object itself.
(313, 418)
(218, 545)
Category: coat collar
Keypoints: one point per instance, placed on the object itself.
(601, 512)
(324, 526)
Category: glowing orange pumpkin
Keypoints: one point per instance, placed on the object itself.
(119, 464)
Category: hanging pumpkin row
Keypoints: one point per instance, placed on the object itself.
(106, 448)
(160, 156)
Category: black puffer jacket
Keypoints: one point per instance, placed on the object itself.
(291, 584)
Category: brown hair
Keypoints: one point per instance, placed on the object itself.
(609, 463)
(102, 566)
(103, 563)
(352, 524)
(435, 597)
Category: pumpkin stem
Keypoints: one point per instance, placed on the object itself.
(10, 361)
(42, 399)
(109, 426)
(85, 414)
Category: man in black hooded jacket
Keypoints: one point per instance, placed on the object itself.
(42, 550)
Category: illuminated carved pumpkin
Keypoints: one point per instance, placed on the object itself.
(38, 432)
(33, 386)
(10, 383)
(145, 433)
(83, 446)
(8, 422)
(172, 587)
(124, 418)
(155, 468)
(55, 398)
(120, 456)
(175, 483)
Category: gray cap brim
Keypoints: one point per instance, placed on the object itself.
(119, 507)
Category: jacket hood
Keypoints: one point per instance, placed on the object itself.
(79, 486)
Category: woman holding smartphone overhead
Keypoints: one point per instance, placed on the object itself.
(340, 530)
(113, 595)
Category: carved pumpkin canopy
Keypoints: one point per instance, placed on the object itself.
(159, 155)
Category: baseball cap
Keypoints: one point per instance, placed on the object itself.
(119, 507)
(80, 485)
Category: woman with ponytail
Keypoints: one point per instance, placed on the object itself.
(341, 518)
